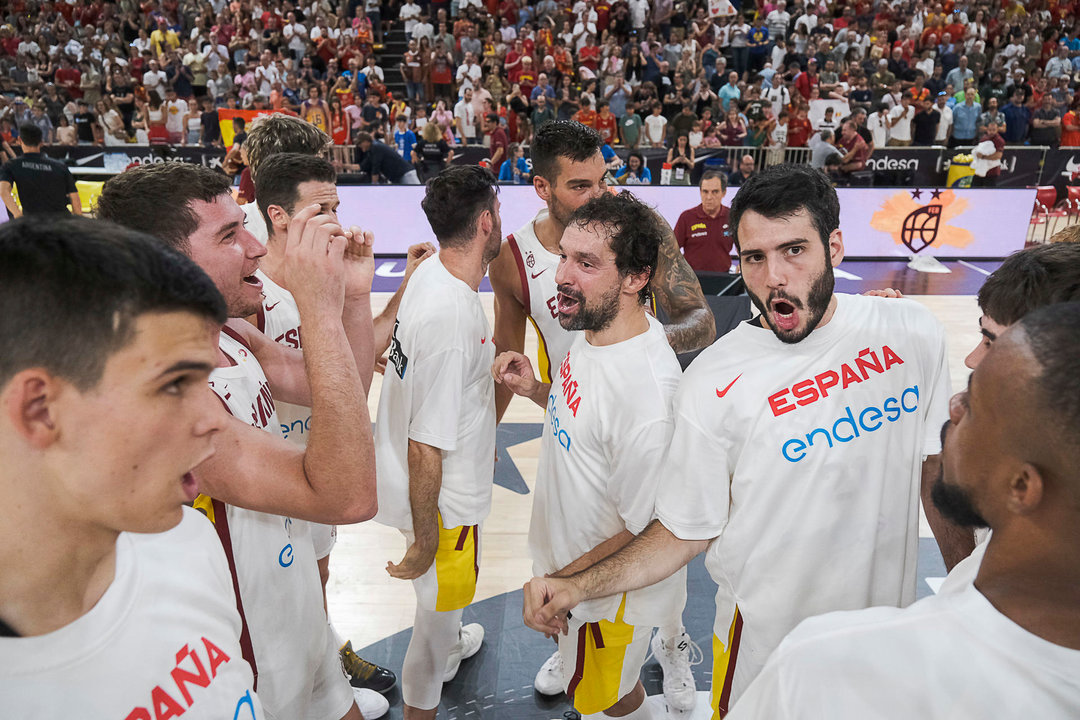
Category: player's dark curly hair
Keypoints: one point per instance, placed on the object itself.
(455, 199)
(561, 139)
(783, 190)
(636, 233)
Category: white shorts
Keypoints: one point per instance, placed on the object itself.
(331, 695)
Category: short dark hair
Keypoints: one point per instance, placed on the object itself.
(30, 134)
(156, 199)
(562, 139)
(280, 184)
(636, 233)
(71, 289)
(783, 190)
(1030, 279)
(714, 175)
(1053, 334)
(454, 200)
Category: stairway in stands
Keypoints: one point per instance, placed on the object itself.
(389, 58)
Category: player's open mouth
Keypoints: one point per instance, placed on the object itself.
(253, 281)
(566, 304)
(785, 314)
(190, 485)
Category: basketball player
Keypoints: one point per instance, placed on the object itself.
(799, 444)
(115, 599)
(268, 136)
(1009, 645)
(259, 486)
(568, 171)
(435, 430)
(1027, 280)
(608, 424)
(294, 181)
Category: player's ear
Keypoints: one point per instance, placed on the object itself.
(542, 187)
(836, 247)
(278, 217)
(634, 282)
(29, 402)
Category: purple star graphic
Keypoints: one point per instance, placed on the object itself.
(935, 194)
(916, 194)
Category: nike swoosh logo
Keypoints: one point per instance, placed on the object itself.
(271, 307)
(536, 275)
(721, 393)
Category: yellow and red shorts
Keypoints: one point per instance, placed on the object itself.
(602, 660)
(723, 670)
(450, 582)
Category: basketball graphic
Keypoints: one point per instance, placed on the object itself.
(529, 259)
(920, 227)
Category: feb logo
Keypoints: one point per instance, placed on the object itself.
(918, 226)
(530, 260)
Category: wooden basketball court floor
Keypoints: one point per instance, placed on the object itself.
(375, 611)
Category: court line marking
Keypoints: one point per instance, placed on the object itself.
(976, 268)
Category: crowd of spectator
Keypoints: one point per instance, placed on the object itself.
(645, 73)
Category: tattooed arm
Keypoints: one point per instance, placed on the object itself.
(690, 324)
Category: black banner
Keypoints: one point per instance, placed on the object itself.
(1061, 167)
(116, 159)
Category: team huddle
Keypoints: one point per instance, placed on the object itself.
(168, 548)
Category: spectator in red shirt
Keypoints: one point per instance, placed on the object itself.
(586, 115)
(807, 80)
(799, 129)
(606, 123)
(702, 231)
(858, 151)
(68, 78)
(499, 142)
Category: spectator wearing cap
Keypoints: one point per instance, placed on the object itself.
(807, 80)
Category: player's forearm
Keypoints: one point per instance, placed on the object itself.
(690, 324)
(359, 328)
(611, 545)
(340, 458)
(646, 560)
(425, 482)
(954, 541)
(10, 204)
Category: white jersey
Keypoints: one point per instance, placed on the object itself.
(804, 462)
(280, 593)
(254, 222)
(607, 425)
(162, 641)
(948, 656)
(963, 574)
(438, 390)
(279, 318)
(536, 267)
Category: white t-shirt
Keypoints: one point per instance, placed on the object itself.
(410, 15)
(175, 111)
(438, 390)
(947, 656)
(276, 570)
(655, 126)
(167, 625)
(607, 425)
(464, 110)
(804, 462)
(537, 267)
(878, 126)
(963, 574)
(902, 129)
(944, 123)
(266, 77)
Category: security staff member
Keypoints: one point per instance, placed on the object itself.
(45, 185)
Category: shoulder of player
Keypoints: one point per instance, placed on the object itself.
(895, 313)
(503, 272)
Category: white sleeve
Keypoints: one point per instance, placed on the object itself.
(939, 390)
(438, 384)
(695, 482)
(635, 474)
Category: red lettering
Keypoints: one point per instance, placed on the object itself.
(574, 406)
(849, 375)
(891, 358)
(182, 677)
(804, 392)
(778, 404)
(217, 656)
(139, 714)
(823, 381)
(553, 307)
(164, 705)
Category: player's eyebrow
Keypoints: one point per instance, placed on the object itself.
(991, 336)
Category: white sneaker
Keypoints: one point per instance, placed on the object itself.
(372, 705)
(470, 637)
(549, 680)
(675, 661)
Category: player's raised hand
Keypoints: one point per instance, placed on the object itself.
(314, 261)
(547, 602)
(416, 562)
(417, 254)
(885, 293)
(514, 370)
(359, 261)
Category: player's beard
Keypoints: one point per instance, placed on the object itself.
(493, 244)
(592, 317)
(955, 504)
(817, 302)
(561, 213)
